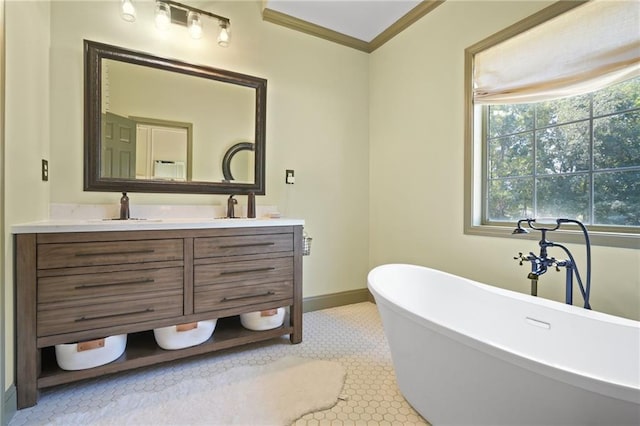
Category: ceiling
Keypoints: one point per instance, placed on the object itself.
(361, 24)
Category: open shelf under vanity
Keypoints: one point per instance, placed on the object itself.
(142, 350)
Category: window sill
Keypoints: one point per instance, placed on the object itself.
(598, 238)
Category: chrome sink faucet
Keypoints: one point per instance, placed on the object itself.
(231, 202)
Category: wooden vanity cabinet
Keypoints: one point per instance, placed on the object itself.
(78, 286)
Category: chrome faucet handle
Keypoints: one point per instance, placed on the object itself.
(520, 257)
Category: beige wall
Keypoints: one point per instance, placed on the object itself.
(26, 136)
(417, 163)
(317, 123)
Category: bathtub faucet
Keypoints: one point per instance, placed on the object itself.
(540, 263)
(539, 266)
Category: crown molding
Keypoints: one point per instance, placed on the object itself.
(293, 23)
(401, 24)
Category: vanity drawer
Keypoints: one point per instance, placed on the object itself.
(89, 286)
(236, 296)
(65, 255)
(247, 272)
(242, 245)
(52, 319)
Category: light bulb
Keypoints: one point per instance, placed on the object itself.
(128, 12)
(163, 16)
(195, 24)
(225, 34)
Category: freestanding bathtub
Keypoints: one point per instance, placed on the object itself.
(466, 353)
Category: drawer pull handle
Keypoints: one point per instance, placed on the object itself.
(231, 299)
(247, 245)
(145, 281)
(111, 253)
(144, 311)
(246, 271)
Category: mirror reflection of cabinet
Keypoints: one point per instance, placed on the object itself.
(163, 152)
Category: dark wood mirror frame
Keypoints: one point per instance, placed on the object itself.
(94, 53)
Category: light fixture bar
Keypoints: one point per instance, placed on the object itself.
(222, 19)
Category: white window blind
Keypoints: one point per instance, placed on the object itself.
(585, 49)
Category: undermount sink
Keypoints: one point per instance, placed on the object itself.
(225, 217)
(131, 220)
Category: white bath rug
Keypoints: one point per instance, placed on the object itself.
(273, 394)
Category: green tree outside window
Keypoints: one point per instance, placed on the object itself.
(576, 157)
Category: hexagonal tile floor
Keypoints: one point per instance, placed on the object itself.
(351, 335)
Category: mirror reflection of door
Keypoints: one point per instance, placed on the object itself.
(118, 147)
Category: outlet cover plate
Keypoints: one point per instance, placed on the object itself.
(45, 170)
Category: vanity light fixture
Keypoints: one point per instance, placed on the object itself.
(194, 23)
(170, 12)
(224, 37)
(163, 16)
(128, 12)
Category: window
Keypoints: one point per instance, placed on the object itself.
(577, 157)
(553, 122)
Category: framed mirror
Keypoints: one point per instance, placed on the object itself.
(153, 124)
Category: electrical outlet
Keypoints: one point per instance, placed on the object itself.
(289, 177)
(45, 170)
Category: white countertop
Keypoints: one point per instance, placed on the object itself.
(99, 225)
